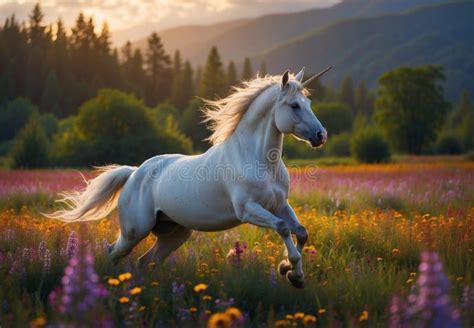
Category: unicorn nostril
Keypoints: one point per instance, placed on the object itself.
(319, 135)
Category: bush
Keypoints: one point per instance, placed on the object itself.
(449, 143)
(369, 146)
(115, 127)
(335, 117)
(14, 116)
(30, 148)
(339, 145)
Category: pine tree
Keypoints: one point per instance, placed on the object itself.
(51, 95)
(213, 78)
(187, 86)
(36, 28)
(247, 70)
(346, 94)
(157, 69)
(37, 54)
(177, 77)
(231, 74)
(263, 69)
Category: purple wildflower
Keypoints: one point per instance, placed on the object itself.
(41, 248)
(71, 247)
(46, 261)
(428, 303)
(81, 289)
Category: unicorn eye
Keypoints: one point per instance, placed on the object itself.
(295, 105)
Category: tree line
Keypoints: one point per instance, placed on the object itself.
(58, 71)
(71, 99)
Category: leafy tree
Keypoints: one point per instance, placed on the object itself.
(157, 70)
(247, 72)
(335, 117)
(115, 127)
(363, 102)
(346, 94)
(462, 111)
(411, 106)
(213, 77)
(31, 146)
(467, 131)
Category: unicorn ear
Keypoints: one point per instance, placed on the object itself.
(284, 78)
(300, 75)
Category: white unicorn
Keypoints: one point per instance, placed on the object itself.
(240, 179)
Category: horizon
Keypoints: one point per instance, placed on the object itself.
(172, 13)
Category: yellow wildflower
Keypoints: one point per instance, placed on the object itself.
(321, 311)
(234, 313)
(364, 316)
(141, 309)
(395, 251)
(281, 323)
(219, 320)
(154, 283)
(199, 288)
(135, 291)
(193, 309)
(38, 322)
(125, 276)
(124, 300)
(298, 315)
(289, 317)
(113, 282)
(206, 298)
(308, 319)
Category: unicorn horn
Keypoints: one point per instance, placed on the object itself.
(308, 81)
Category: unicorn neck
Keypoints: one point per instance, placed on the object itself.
(257, 131)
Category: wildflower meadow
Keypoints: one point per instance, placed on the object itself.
(389, 244)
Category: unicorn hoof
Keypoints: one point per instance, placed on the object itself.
(296, 281)
(284, 267)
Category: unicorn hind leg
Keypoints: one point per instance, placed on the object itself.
(168, 240)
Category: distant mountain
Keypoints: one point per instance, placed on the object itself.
(367, 47)
(189, 38)
(238, 39)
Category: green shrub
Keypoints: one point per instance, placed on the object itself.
(369, 146)
(449, 143)
(116, 127)
(339, 145)
(335, 117)
(30, 148)
(14, 116)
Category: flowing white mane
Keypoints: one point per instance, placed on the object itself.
(223, 115)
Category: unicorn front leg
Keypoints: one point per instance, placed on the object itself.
(255, 214)
(288, 215)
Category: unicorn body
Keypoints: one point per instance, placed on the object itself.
(240, 179)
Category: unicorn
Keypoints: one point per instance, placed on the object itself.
(240, 179)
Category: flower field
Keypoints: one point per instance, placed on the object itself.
(390, 244)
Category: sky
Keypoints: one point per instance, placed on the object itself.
(133, 19)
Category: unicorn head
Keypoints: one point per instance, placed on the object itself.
(293, 113)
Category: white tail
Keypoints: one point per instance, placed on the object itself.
(97, 199)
